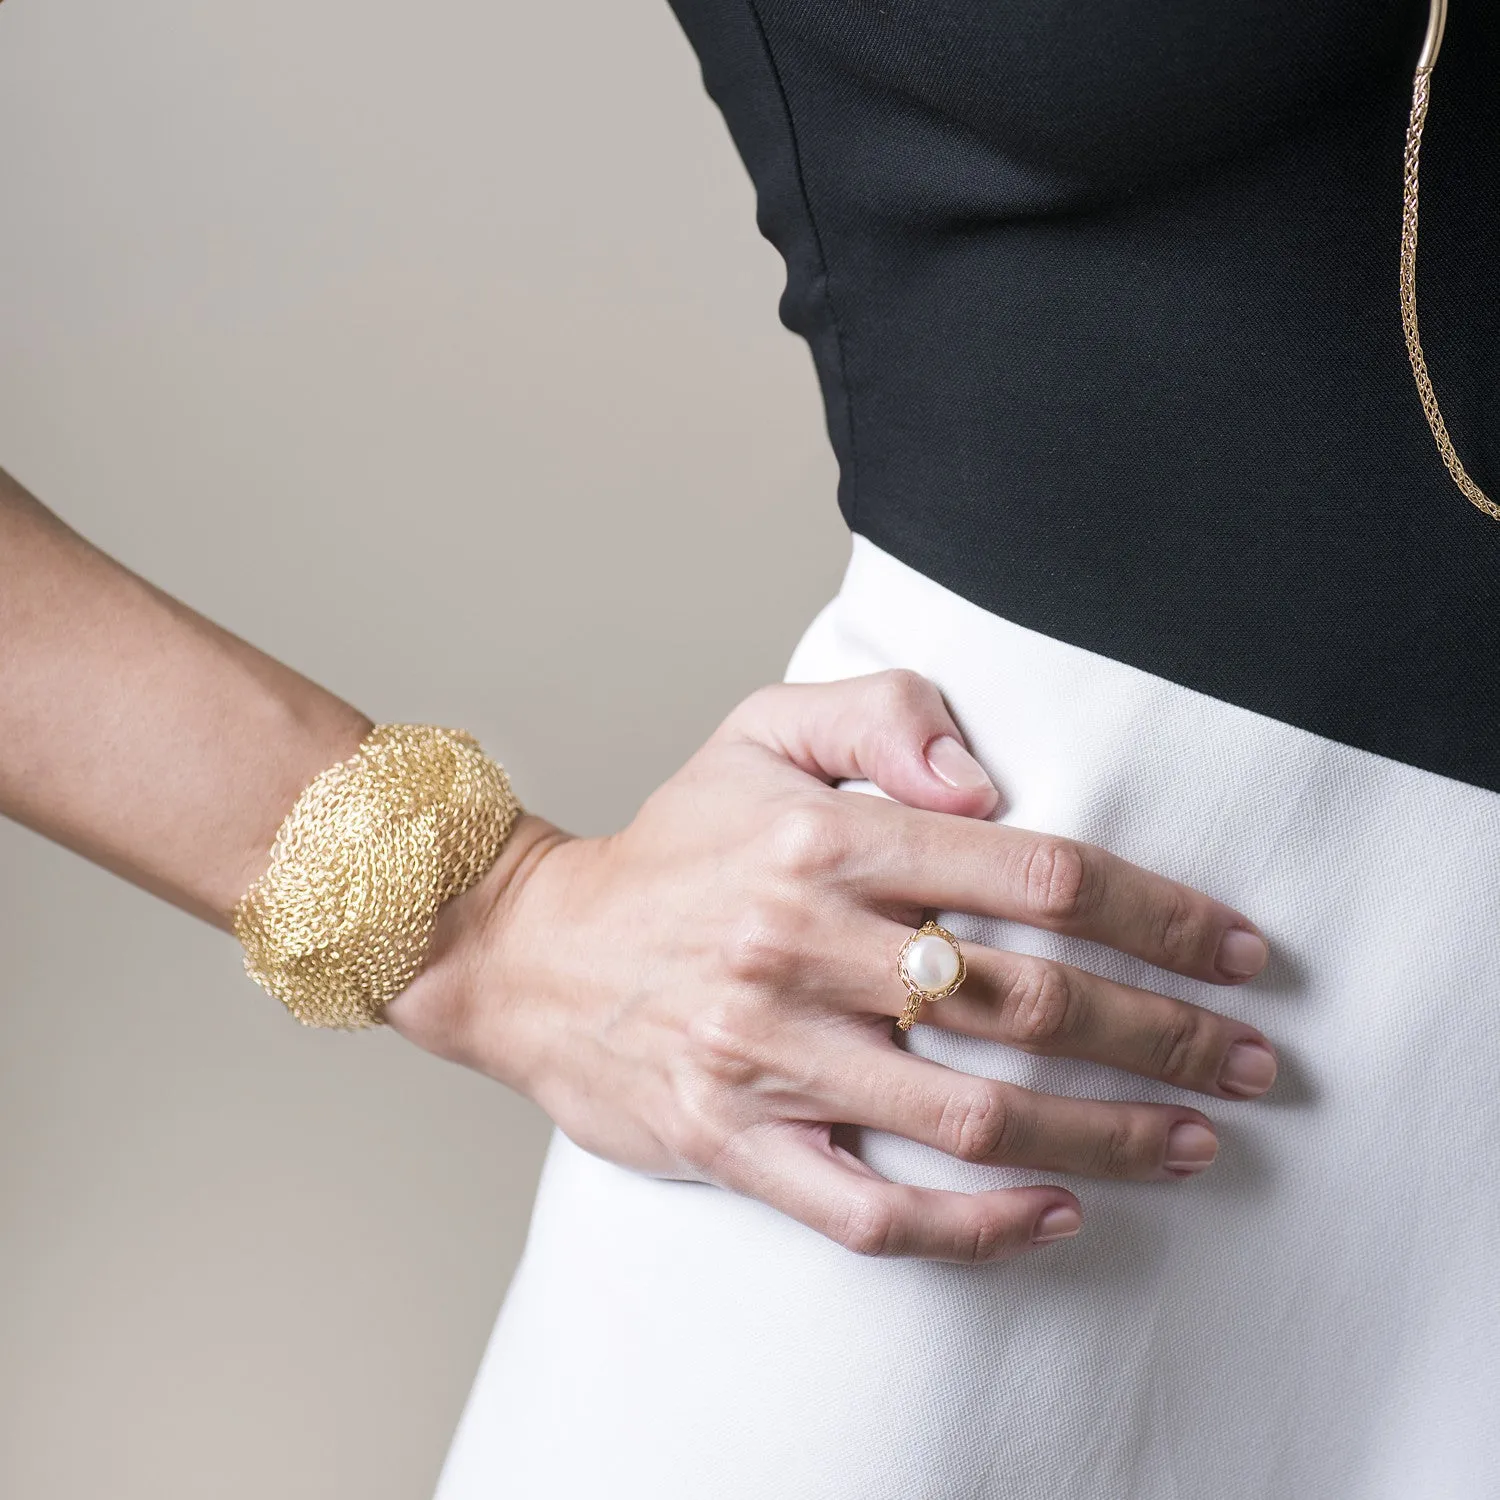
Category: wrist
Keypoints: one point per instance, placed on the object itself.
(453, 1008)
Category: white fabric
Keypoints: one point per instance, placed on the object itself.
(1315, 1318)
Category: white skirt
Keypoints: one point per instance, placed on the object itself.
(1317, 1317)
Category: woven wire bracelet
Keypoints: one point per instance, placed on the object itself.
(340, 922)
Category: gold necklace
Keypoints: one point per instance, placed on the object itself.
(1426, 62)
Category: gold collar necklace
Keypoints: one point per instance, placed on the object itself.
(1426, 62)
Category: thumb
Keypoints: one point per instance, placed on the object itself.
(891, 728)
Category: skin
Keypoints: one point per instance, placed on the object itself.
(707, 993)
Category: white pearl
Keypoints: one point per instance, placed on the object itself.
(931, 963)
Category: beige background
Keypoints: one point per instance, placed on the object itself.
(433, 349)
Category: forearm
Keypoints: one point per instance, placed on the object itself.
(137, 732)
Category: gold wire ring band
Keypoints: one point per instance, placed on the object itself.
(340, 922)
(1421, 86)
(918, 949)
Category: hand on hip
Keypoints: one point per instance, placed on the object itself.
(708, 992)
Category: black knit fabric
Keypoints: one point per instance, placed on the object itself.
(1103, 299)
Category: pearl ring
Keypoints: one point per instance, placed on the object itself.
(930, 965)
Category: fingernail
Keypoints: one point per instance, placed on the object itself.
(1242, 953)
(1057, 1224)
(1190, 1147)
(1250, 1069)
(953, 764)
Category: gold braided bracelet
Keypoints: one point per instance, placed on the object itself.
(340, 922)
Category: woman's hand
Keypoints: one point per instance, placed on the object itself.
(707, 993)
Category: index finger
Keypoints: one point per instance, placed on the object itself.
(949, 863)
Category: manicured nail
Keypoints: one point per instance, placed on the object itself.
(1190, 1147)
(1242, 953)
(1250, 1069)
(1057, 1223)
(953, 764)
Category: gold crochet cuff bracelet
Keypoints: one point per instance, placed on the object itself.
(340, 922)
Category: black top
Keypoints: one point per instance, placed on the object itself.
(1103, 299)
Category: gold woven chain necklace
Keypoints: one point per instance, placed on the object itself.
(1426, 62)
